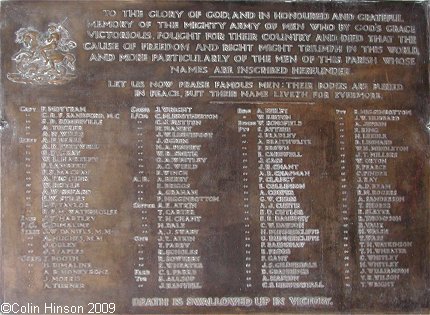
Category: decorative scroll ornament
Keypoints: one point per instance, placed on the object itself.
(44, 58)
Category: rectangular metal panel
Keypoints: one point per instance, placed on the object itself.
(214, 157)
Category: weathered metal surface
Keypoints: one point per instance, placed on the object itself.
(214, 157)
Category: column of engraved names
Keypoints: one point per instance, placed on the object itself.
(378, 201)
(283, 220)
(67, 216)
(179, 136)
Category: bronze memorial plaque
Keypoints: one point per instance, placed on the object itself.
(171, 157)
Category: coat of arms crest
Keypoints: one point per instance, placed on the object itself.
(44, 58)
